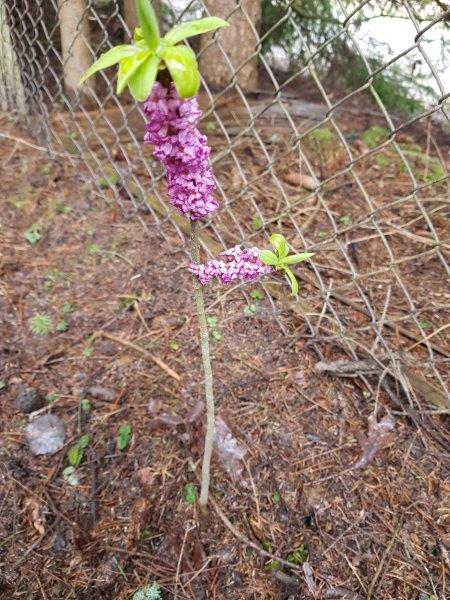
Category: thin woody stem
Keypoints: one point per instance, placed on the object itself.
(204, 344)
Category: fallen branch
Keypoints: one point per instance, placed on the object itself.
(162, 365)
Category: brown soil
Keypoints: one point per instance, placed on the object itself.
(380, 532)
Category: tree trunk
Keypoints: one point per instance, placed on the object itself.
(129, 13)
(76, 53)
(238, 44)
(12, 95)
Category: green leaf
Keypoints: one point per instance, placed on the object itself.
(183, 68)
(186, 30)
(67, 308)
(129, 66)
(148, 23)
(124, 437)
(299, 556)
(250, 309)
(70, 475)
(292, 280)
(107, 59)
(141, 83)
(75, 455)
(257, 294)
(276, 496)
(33, 234)
(296, 258)
(85, 405)
(62, 326)
(84, 440)
(2, 385)
(137, 35)
(280, 245)
(190, 493)
(268, 257)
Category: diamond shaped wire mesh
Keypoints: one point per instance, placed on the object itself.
(376, 213)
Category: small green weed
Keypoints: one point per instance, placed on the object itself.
(273, 565)
(190, 493)
(67, 308)
(70, 475)
(85, 405)
(256, 223)
(173, 345)
(250, 309)
(33, 234)
(345, 220)
(323, 137)
(19, 202)
(257, 294)
(148, 592)
(62, 326)
(124, 437)
(299, 556)
(108, 182)
(374, 136)
(76, 452)
(276, 497)
(382, 159)
(41, 324)
(214, 332)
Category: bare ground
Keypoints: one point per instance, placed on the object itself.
(378, 532)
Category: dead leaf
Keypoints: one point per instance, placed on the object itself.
(301, 180)
(145, 477)
(166, 420)
(36, 515)
(379, 436)
(139, 516)
(230, 451)
(195, 412)
(309, 577)
(426, 390)
(360, 147)
(100, 392)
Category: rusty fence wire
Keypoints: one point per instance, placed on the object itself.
(328, 162)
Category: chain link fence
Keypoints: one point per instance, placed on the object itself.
(296, 148)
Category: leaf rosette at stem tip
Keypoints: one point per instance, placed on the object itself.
(280, 259)
(140, 62)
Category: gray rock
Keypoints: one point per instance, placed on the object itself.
(28, 399)
(45, 434)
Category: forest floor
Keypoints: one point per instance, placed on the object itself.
(105, 294)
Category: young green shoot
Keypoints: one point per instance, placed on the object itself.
(140, 61)
(281, 259)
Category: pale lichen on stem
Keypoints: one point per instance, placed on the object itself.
(206, 360)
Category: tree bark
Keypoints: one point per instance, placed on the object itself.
(129, 13)
(12, 95)
(76, 53)
(238, 43)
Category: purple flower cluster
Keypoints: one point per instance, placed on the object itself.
(182, 149)
(238, 264)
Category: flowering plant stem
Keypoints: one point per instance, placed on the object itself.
(209, 393)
